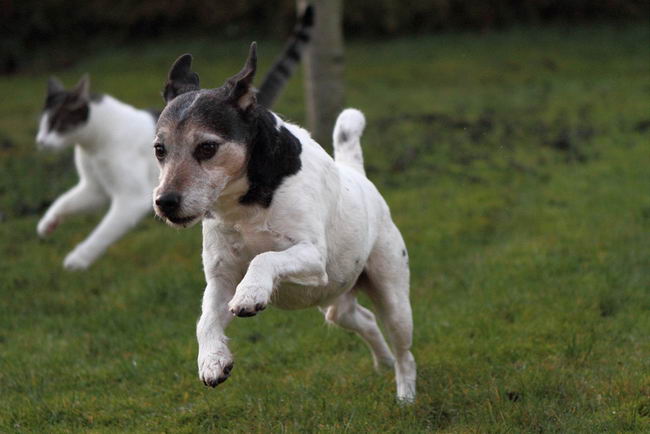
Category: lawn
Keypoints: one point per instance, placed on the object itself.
(517, 166)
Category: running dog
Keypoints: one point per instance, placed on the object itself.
(283, 222)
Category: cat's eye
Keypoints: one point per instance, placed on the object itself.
(205, 150)
(160, 151)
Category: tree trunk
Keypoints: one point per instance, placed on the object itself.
(323, 67)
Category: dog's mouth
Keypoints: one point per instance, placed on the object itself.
(182, 221)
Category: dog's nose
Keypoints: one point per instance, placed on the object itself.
(169, 202)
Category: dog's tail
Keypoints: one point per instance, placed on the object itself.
(347, 135)
(286, 63)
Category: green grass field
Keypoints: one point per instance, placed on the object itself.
(517, 166)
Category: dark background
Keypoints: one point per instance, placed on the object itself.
(57, 32)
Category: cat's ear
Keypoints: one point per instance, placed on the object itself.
(81, 91)
(181, 78)
(54, 86)
(242, 92)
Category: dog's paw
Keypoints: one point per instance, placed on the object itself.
(46, 226)
(76, 261)
(248, 301)
(213, 369)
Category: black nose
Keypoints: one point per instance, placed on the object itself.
(169, 202)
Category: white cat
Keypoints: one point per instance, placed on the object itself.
(113, 158)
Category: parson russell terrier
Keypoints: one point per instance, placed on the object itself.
(283, 222)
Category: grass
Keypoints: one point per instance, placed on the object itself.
(516, 165)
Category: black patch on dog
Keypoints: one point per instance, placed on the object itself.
(403, 252)
(343, 137)
(273, 155)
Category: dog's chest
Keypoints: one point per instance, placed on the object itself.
(248, 241)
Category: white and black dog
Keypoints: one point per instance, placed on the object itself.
(113, 151)
(283, 222)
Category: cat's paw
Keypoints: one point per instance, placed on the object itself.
(47, 225)
(76, 261)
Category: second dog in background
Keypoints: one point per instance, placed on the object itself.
(113, 151)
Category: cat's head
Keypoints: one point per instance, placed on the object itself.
(64, 113)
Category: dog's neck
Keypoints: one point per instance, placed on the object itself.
(228, 207)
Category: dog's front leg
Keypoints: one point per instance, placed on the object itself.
(123, 214)
(215, 360)
(303, 264)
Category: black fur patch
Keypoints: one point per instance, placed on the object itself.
(273, 156)
(66, 111)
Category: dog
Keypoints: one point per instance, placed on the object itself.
(283, 222)
(113, 151)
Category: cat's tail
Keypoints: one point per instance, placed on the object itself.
(347, 139)
(286, 63)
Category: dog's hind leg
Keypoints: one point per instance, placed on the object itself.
(388, 273)
(347, 313)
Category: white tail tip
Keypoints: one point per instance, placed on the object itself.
(349, 126)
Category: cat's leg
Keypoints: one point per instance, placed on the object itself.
(124, 213)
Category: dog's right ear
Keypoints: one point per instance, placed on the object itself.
(181, 79)
(242, 93)
(54, 86)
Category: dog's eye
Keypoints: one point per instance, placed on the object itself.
(205, 150)
(160, 151)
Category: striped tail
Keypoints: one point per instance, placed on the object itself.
(347, 139)
(286, 63)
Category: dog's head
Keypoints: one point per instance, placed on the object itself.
(65, 111)
(202, 140)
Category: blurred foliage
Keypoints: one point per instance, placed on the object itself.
(30, 28)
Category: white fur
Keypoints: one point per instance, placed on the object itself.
(114, 160)
(326, 225)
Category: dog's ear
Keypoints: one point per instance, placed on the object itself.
(242, 93)
(54, 86)
(180, 79)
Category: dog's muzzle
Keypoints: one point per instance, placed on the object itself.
(168, 205)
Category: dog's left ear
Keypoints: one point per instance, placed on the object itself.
(242, 92)
(181, 78)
